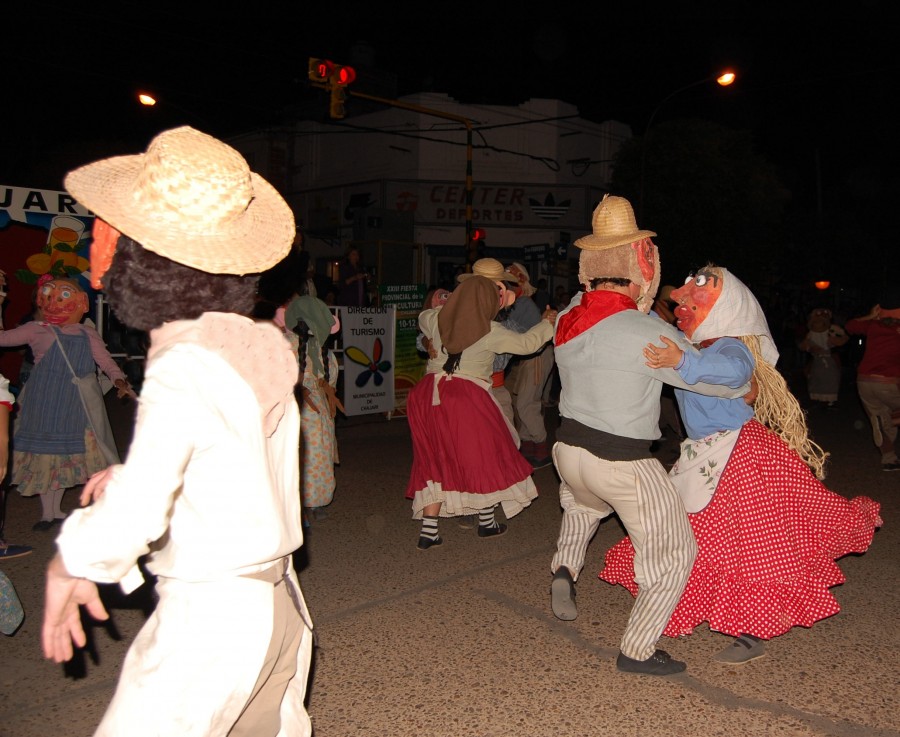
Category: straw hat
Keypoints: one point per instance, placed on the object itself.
(489, 267)
(192, 199)
(614, 225)
(522, 278)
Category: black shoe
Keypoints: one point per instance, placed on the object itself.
(429, 542)
(890, 466)
(494, 531)
(537, 463)
(8, 552)
(562, 595)
(43, 525)
(658, 664)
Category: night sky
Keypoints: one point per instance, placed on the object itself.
(816, 90)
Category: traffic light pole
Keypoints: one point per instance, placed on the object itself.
(438, 114)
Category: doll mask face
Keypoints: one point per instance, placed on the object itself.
(819, 320)
(439, 298)
(507, 296)
(695, 299)
(61, 302)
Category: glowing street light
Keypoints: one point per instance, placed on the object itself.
(148, 99)
(723, 79)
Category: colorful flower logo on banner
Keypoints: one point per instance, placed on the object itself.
(374, 366)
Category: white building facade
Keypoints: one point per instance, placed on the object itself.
(406, 183)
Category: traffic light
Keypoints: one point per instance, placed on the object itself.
(341, 77)
(320, 71)
(336, 78)
(475, 246)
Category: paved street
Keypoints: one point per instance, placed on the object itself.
(460, 641)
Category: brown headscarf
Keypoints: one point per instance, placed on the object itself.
(466, 316)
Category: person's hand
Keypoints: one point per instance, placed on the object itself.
(429, 347)
(95, 486)
(123, 389)
(874, 314)
(62, 619)
(334, 404)
(665, 356)
(549, 315)
(750, 396)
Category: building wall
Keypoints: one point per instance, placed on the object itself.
(537, 171)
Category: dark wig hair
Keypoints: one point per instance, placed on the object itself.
(145, 290)
(280, 283)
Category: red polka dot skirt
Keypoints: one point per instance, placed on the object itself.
(767, 543)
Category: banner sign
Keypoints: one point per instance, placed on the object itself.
(367, 335)
(441, 203)
(409, 366)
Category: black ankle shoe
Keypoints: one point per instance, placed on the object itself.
(428, 542)
(658, 664)
(494, 531)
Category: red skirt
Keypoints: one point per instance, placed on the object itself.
(767, 543)
(462, 444)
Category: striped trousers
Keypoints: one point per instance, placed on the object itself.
(652, 513)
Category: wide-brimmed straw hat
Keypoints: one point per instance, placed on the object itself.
(192, 199)
(527, 287)
(489, 267)
(614, 225)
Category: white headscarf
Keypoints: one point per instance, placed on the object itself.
(737, 313)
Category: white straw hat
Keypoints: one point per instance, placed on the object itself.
(489, 267)
(614, 225)
(192, 199)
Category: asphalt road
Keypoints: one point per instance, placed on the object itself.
(460, 640)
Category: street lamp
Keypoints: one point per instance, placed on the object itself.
(148, 99)
(723, 79)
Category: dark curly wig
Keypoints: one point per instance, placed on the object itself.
(145, 290)
(281, 282)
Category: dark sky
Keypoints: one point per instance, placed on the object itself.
(809, 84)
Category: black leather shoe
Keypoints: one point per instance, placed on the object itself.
(495, 531)
(43, 525)
(538, 463)
(658, 664)
(428, 542)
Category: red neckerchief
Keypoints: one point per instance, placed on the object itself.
(594, 307)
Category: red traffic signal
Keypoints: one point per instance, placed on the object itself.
(343, 76)
(325, 73)
(320, 71)
(334, 77)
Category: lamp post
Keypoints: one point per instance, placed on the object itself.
(723, 79)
